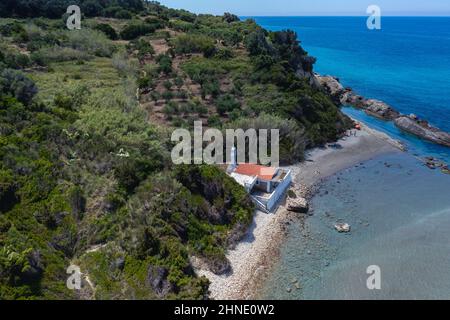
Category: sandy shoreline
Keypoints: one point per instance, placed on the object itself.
(254, 256)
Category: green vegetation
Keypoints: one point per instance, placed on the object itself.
(194, 44)
(109, 31)
(136, 29)
(56, 8)
(85, 120)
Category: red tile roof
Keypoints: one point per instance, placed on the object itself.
(255, 170)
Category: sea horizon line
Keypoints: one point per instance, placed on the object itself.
(340, 16)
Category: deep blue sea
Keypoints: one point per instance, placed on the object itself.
(399, 209)
(406, 64)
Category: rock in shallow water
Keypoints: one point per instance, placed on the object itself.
(342, 227)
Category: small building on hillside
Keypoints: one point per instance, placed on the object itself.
(266, 185)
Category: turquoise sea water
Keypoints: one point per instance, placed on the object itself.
(406, 64)
(399, 210)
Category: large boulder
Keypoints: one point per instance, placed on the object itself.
(298, 204)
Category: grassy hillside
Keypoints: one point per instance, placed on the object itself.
(85, 121)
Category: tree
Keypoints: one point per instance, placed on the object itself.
(91, 8)
(55, 8)
(257, 44)
(165, 63)
(144, 48)
(288, 47)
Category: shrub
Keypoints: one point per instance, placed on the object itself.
(39, 41)
(7, 189)
(17, 60)
(167, 95)
(58, 54)
(91, 8)
(107, 30)
(144, 48)
(292, 134)
(123, 65)
(165, 63)
(229, 17)
(182, 94)
(193, 43)
(210, 87)
(117, 12)
(130, 172)
(257, 44)
(226, 103)
(157, 22)
(224, 54)
(170, 109)
(179, 82)
(123, 14)
(144, 82)
(135, 30)
(167, 84)
(214, 121)
(182, 26)
(200, 108)
(9, 29)
(16, 84)
(90, 41)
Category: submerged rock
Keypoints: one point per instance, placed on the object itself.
(342, 227)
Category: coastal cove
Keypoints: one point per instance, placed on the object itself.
(397, 207)
(253, 260)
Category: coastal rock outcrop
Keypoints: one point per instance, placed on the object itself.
(341, 95)
(422, 129)
(411, 124)
(332, 86)
(380, 109)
